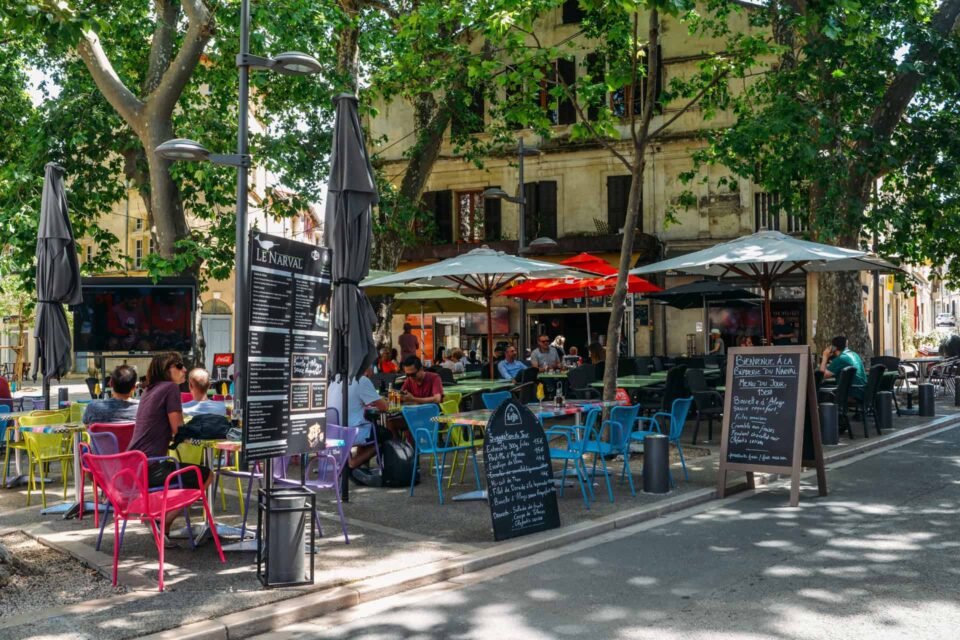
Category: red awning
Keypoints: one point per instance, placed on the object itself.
(562, 288)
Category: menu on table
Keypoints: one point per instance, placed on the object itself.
(289, 297)
(520, 489)
(763, 412)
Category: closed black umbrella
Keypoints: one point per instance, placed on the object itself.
(351, 192)
(58, 281)
(699, 294)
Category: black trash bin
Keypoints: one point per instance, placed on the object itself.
(884, 409)
(829, 423)
(284, 550)
(927, 404)
(656, 463)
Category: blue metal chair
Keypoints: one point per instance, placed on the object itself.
(494, 399)
(426, 439)
(574, 453)
(677, 416)
(617, 442)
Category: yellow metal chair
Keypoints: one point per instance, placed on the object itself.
(451, 404)
(10, 432)
(76, 412)
(42, 449)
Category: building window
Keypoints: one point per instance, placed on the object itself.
(766, 211)
(623, 102)
(618, 199)
(438, 204)
(470, 216)
(572, 12)
(562, 74)
(796, 223)
(138, 255)
(540, 210)
(138, 224)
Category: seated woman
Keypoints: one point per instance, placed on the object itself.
(385, 363)
(159, 417)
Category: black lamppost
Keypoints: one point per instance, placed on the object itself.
(291, 63)
(522, 246)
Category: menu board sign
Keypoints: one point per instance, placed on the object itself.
(520, 489)
(289, 338)
(769, 410)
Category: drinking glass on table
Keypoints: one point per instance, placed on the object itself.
(541, 394)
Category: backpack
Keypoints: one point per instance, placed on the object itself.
(397, 463)
(203, 426)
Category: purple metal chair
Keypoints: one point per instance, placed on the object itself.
(333, 417)
(325, 471)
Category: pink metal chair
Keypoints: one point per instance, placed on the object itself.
(122, 431)
(123, 478)
(186, 397)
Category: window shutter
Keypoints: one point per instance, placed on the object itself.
(492, 224)
(547, 209)
(572, 13)
(618, 197)
(567, 75)
(530, 213)
(441, 204)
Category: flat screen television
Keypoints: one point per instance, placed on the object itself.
(475, 324)
(135, 315)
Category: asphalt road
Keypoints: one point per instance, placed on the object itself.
(876, 559)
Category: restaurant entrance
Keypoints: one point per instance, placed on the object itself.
(572, 326)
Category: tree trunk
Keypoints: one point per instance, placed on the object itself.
(620, 290)
(170, 223)
(382, 335)
(840, 312)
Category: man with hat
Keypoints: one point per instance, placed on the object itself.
(717, 346)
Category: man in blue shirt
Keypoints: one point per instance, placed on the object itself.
(510, 367)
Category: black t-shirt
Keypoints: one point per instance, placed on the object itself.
(780, 330)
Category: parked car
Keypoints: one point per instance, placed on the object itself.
(946, 320)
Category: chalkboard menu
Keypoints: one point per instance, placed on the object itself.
(288, 342)
(770, 420)
(763, 391)
(520, 489)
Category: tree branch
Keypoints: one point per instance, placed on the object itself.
(161, 47)
(105, 76)
(690, 104)
(653, 71)
(383, 6)
(200, 26)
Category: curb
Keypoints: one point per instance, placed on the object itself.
(265, 618)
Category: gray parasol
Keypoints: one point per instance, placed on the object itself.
(58, 281)
(351, 192)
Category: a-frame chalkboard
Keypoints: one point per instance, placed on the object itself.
(771, 421)
(520, 489)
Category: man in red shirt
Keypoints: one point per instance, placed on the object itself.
(420, 387)
(408, 342)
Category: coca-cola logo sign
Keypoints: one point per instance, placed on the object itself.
(222, 359)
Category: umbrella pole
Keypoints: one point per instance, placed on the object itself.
(423, 334)
(767, 318)
(587, 302)
(490, 333)
(706, 326)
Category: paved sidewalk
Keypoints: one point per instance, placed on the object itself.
(397, 542)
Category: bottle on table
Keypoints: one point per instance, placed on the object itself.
(558, 398)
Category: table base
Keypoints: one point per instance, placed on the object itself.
(68, 509)
(471, 496)
(202, 532)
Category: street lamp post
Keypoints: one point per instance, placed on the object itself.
(293, 63)
(540, 243)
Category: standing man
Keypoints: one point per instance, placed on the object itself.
(408, 342)
(510, 368)
(783, 332)
(545, 357)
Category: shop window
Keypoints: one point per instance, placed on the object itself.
(439, 204)
(470, 216)
(766, 211)
(623, 102)
(138, 224)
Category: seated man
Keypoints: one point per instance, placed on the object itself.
(119, 408)
(421, 386)
(545, 357)
(199, 381)
(453, 361)
(837, 357)
(360, 395)
(510, 368)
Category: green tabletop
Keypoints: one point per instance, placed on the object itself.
(631, 382)
(473, 386)
(468, 374)
(662, 375)
(552, 375)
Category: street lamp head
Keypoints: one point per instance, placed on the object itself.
(182, 149)
(495, 193)
(542, 243)
(295, 63)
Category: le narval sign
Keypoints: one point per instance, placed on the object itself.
(289, 297)
(771, 422)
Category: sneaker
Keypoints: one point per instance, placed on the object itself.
(170, 544)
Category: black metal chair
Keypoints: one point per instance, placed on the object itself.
(92, 387)
(840, 396)
(626, 367)
(657, 363)
(578, 383)
(643, 365)
(661, 399)
(446, 376)
(867, 404)
(528, 375)
(525, 393)
(888, 383)
(708, 402)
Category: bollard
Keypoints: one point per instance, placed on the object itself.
(927, 405)
(829, 423)
(656, 464)
(884, 409)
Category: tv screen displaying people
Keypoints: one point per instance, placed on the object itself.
(134, 315)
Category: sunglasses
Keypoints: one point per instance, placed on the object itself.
(179, 365)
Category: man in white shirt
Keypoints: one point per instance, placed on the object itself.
(360, 394)
(545, 357)
(199, 381)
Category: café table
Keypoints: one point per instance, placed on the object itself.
(633, 382)
(922, 364)
(75, 429)
(467, 374)
(543, 411)
(474, 386)
(552, 375)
